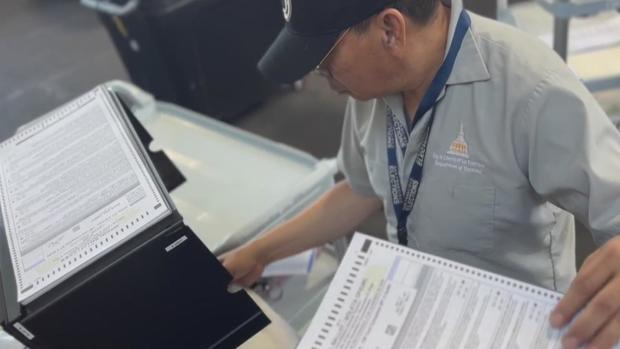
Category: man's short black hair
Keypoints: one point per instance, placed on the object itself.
(420, 11)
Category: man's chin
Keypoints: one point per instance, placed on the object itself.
(341, 91)
(345, 92)
(358, 97)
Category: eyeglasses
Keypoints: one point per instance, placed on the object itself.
(319, 67)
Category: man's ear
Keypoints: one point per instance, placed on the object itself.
(393, 28)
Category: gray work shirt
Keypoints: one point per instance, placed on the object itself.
(516, 136)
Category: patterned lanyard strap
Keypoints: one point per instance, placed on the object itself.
(398, 136)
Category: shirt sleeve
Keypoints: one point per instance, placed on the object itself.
(574, 154)
(350, 155)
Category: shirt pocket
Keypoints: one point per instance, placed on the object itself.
(456, 217)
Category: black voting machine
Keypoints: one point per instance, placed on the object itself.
(138, 295)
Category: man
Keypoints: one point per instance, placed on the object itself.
(470, 135)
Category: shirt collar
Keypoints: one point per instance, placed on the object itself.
(470, 65)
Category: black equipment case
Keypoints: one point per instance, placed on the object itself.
(200, 54)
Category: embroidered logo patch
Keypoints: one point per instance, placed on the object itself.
(457, 157)
(459, 147)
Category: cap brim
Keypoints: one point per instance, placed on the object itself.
(292, 56)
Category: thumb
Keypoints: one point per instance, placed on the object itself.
(230, 267)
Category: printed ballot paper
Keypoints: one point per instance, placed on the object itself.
(72, 186)
(94, 253)
(388, 296)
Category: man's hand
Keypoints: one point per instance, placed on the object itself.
(244, 265)
(596, 293)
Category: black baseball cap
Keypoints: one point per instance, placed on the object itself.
(312, 28)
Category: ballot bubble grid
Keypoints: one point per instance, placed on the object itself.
(340, 300)
(426, 259)
(473, 272)
(99, 245)
(21, 136)
(48, 119)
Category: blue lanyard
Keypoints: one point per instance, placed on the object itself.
(398, 135)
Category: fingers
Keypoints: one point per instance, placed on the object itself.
(250, 278)
(232, 266)
(592, 277)
(597, 315)
(234, 288)
(242, 266)
(595, 291)
(608, 337)
(227, 255)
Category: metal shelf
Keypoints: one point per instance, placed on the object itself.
(567, 9)
(562, 12)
